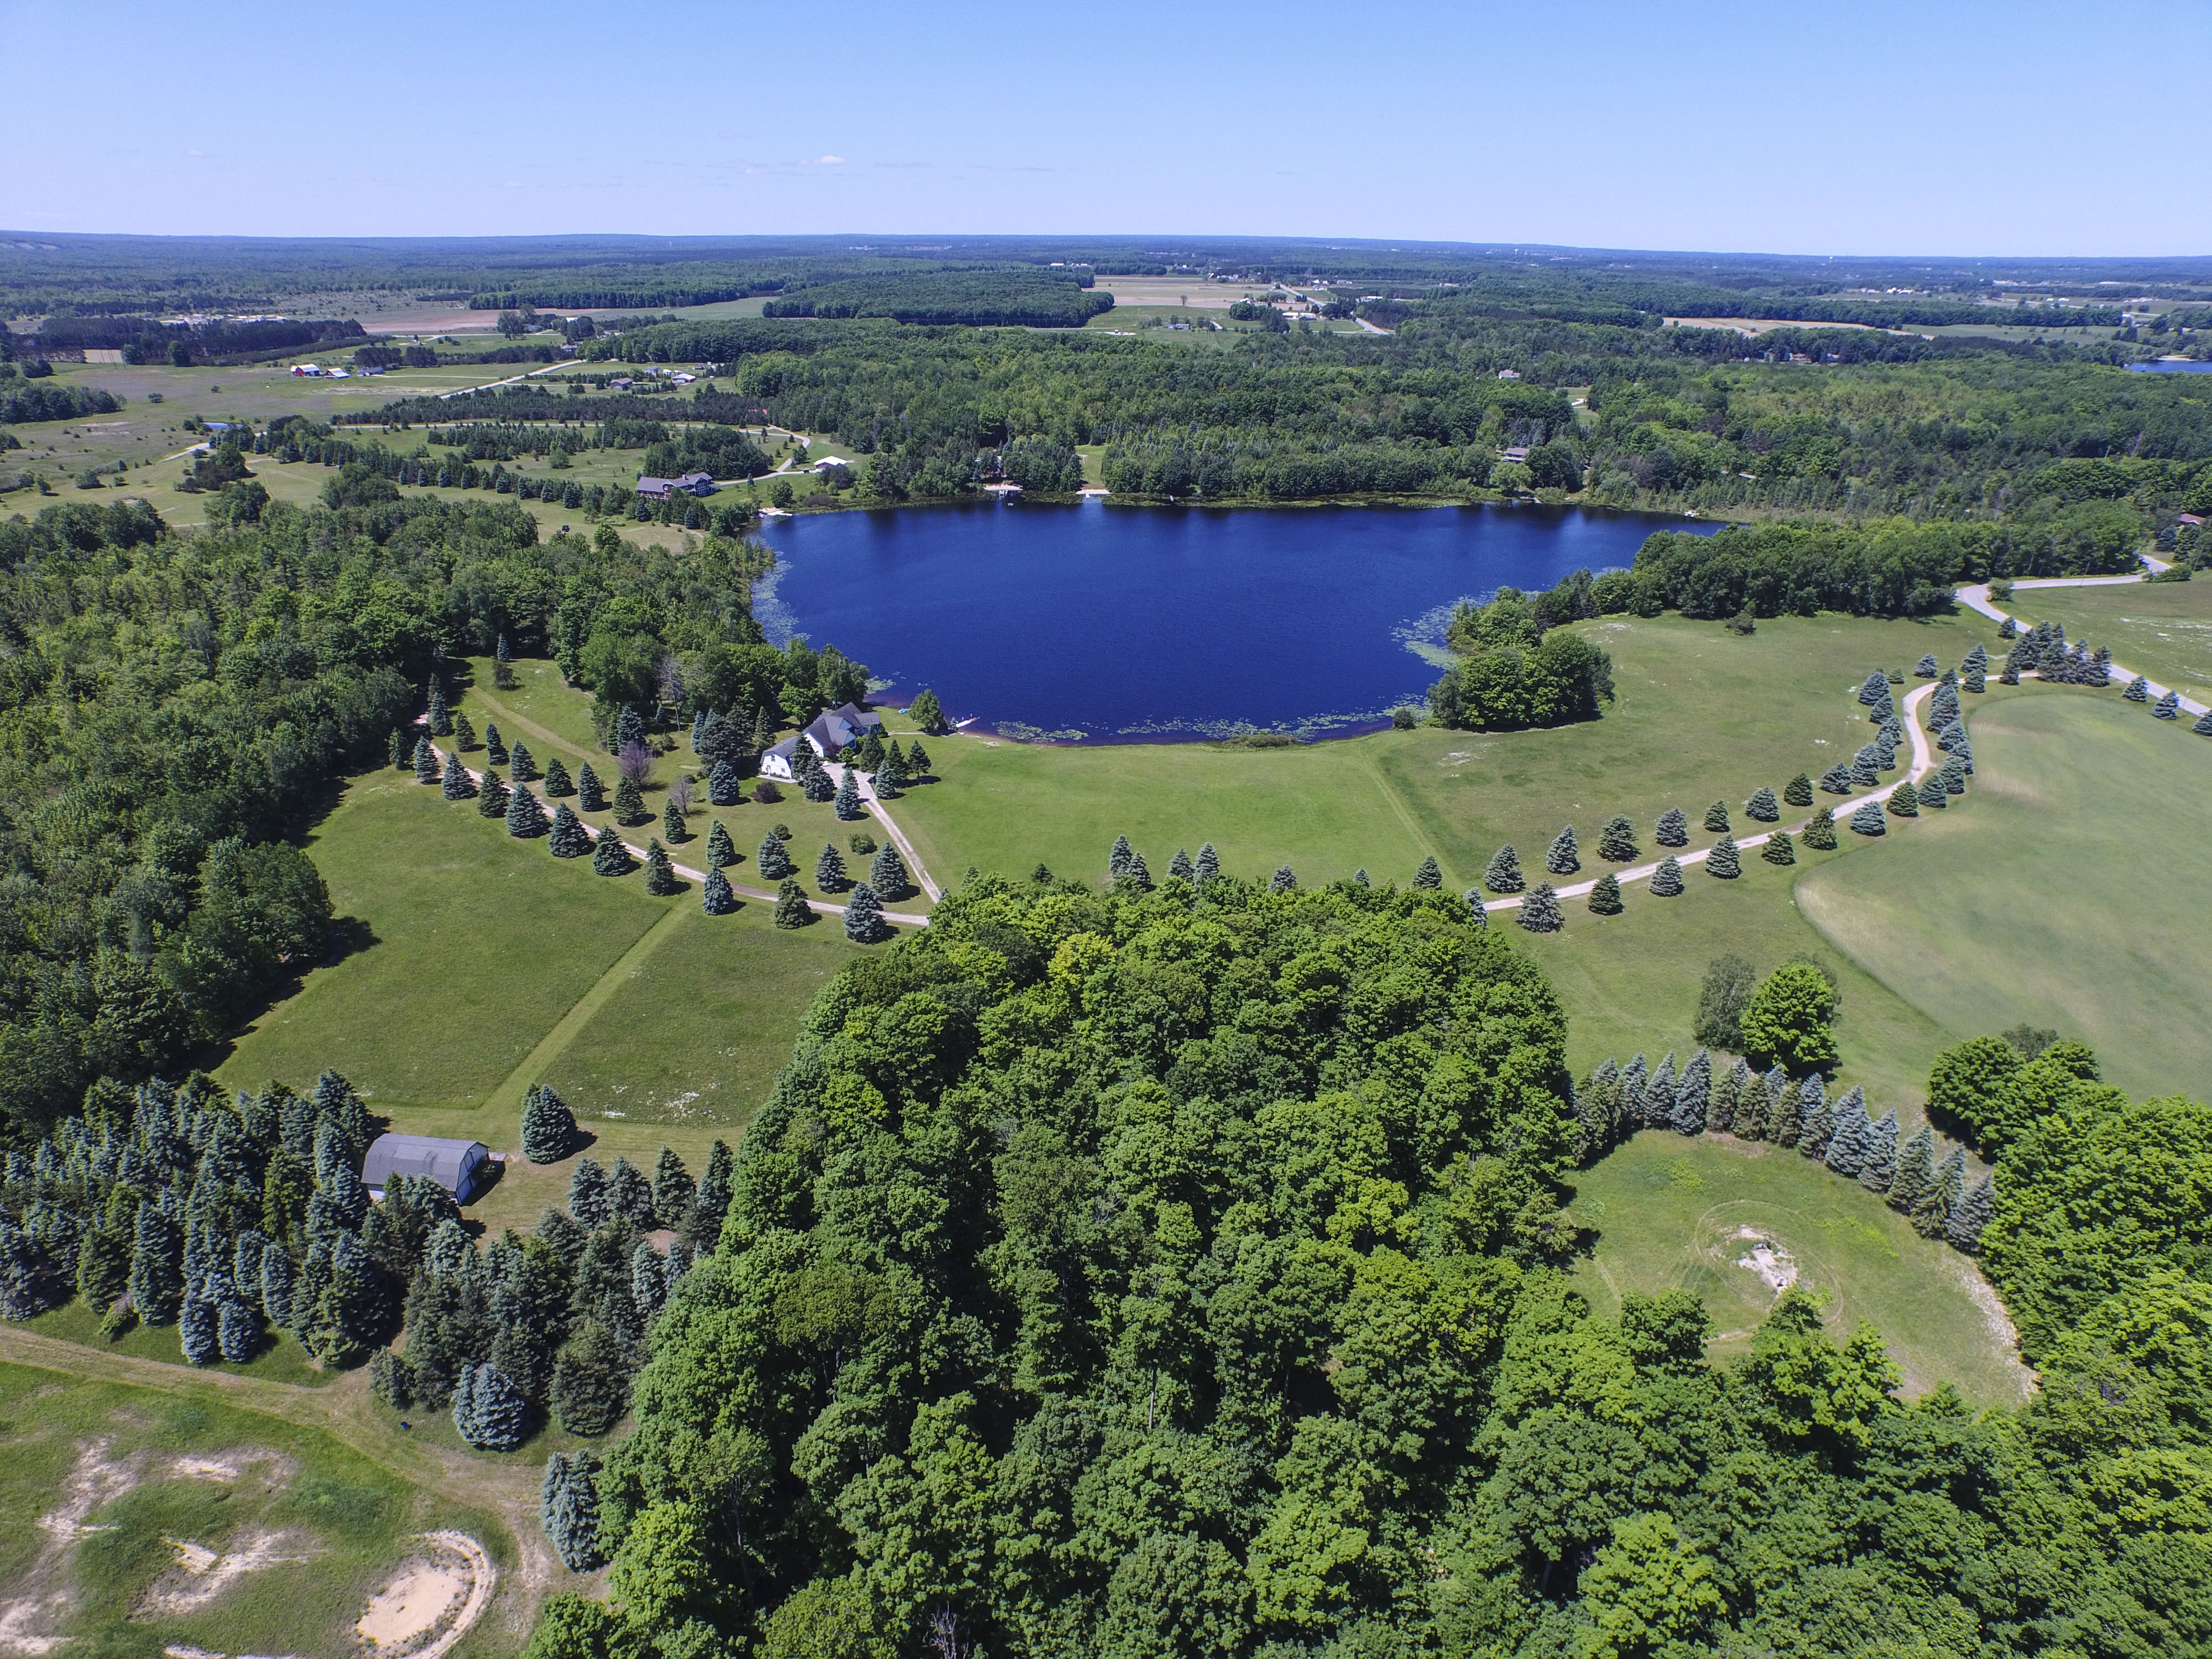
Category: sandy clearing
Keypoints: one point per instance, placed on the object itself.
(30, 1616)
(432, 1600)
(201, 1575)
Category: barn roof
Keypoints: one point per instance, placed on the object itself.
(449, 1163)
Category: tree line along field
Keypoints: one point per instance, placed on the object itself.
(2163, 629)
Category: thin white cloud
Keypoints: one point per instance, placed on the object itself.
(824, 161)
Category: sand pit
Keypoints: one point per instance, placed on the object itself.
(431, 1601)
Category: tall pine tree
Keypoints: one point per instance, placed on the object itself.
(1503, 875)
(1562, 858)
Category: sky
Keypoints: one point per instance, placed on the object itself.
(1881, 128)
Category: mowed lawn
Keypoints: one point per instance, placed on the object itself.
(2161, 630)
(1677, 1212)
(1702, 714)
(2075, 892)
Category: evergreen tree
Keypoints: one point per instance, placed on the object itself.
(1867, 820)
(610, 856)
(276, 1277)
(671, 823)
(1540, 912)
(1820, 832)
(1725, 860)
(1135, 877)
(846, 802)
(629, 802)
(1754, 1109)
(2138, 689)
(488, 1410)
(716, 897)
(721, 851)
(523, 766)
(1798, 791)
(238, 1333)
(591, 1380)
(629, 1195)
(457, 784)
(890, 775)
(568, 1509)
(1927, 667)
(403, 750)
(1428, 876)
(1477, 912)
(1916, 1166)
(917, 763)
(1693, 1094)
(1657, 1109)
(157, 1265)
(864, 916)
(2203, 726)
(1180, 868)
(1970, 1215)
(525, 817)
(590, 794)
(1931, 1214)
(557, 782)
(548, 1127)
(1866, 768)
(1617, 841)
(1117, 858)
(1562, 858)
(491, 797)
(1788, 1122)
(1762, 807)
(1778, 849)
(1878, 1168)
(196, 1331)
(887, 874)
(1732, 1099)
(773, 861)
(426, 762)
(829, 870)
(589, 1200)
(660, 875)
(1931, 795)
(724, 787)
(1673, 828)
(495, 745)
(1634, 1078)
(441, 718)
(1716, 818)
(1285, 880)
(464, 733)
(1605, 897)
(1208, 864)
(1849, 1144)
(1977, 683)
(1817, 1119)
(1667, 879)
(673, 1190)
(791, 909)
(1837, 780)
(2168, 708)
(2008, 628)
(1503, 875)
(1905, 800)
(1875, 688)
(569, 839)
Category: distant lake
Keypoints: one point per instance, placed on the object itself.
(1102, 624)
(2171, 368)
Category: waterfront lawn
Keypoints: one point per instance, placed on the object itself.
(2074, 892)
(1678, 1213)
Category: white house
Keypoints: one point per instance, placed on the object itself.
(828, 734)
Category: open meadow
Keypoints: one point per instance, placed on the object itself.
(2163, 629)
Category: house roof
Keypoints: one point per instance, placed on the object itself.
(655, 486)
(447, 1161)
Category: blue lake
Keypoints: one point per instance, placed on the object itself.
(1132, 623)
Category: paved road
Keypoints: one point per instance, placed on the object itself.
(1978, 598)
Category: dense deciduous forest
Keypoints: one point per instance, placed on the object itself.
(1023, 298)
(1180, 1273)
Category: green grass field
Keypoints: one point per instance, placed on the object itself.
(2075, 892)
(1677, 1214)
(132, 1476)
(2163, 629)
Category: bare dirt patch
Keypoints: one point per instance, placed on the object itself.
(431, 1601)
(1768, 1260)
(31, 1615)
(202, 1574)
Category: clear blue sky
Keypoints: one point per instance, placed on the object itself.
(1876, 128)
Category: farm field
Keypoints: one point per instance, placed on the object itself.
(2163, 629)
(1673, 1213)
(2075, 892)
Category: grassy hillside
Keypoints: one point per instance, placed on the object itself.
(2076, 893)
(2163, 629)
(1673, 1213)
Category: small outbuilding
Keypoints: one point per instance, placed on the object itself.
(459, 1166)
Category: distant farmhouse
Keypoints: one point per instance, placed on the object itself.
(830, 731)
(691, 483)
